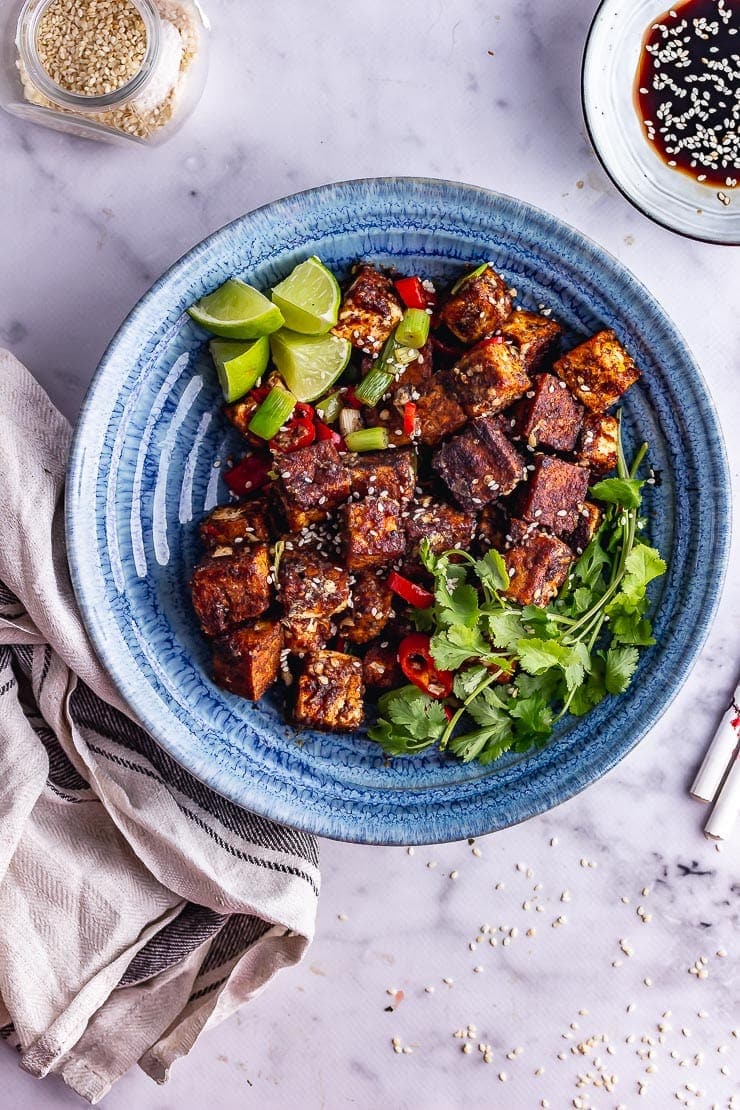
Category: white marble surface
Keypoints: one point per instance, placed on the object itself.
(488, 93)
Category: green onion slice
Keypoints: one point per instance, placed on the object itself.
(413, 331)
(368, 439)
(272, 413)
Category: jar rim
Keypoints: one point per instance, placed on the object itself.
(28, 22)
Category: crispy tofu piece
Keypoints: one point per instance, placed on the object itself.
(437, 412)
(380, 667)
(231, 585)
(540, 566)
(549, 416)
(246, 661)
(330, 692)
(479, 307)
(444, 526)
(597, 447)
(311, 591)
(392, 472)
(598, 371)
(386, 415)
(554, 494)
(535, 337)
(312, 482)
(488, 378)
(372, 608)
(311, 586)
(232, 525)
(369, 311)
(480, 465)
(304, 635)
(589, 520)
(372, 532)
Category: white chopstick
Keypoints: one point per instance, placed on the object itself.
(724, 811)
(720, 752)
(722, 762)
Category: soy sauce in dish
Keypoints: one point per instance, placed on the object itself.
(687, 90)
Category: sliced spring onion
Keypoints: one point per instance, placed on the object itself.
(272, 413)
(467, 277)
(372, 387)
(413, 331)
(368, 439)
(329, 407)
(349, 421)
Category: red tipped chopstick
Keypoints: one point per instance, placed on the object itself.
(718, 778)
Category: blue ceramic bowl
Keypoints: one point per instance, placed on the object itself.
(144, 470)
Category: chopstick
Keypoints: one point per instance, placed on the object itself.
(722, 762)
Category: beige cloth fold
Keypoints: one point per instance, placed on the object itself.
(137, 907)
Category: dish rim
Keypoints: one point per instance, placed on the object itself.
(294, 817)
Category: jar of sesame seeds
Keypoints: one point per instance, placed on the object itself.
(114, 70)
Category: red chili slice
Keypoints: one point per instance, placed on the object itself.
(409, 418)
(324, 432)
(419, 667)
(415, 595)
(494, 339)
(413, 294)
(350, 398)
(297, 433)
(248, 476)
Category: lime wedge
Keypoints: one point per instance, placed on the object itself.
(309, 298)
(309, 363)
(237, 311)
(239, 364)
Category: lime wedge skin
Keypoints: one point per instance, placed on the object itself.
(309, 364)
(237, 311)
(239, 364)
(309, 298)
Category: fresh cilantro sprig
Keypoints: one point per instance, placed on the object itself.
(518, 670)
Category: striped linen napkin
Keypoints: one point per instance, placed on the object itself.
(137, 907)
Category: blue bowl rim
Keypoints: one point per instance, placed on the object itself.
(295, 817)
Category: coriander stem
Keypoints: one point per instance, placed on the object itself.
(471, 697)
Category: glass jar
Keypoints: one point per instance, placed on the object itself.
(144, 78)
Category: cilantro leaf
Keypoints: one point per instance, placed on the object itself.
(468, 680)
(533, 715)
(489, 710)
(618, 491)
(505, 628)
(549, 684)
(453, 646)
(621, 663)
(642, 565)
(409, 721)
(536, 655)
(492, 572)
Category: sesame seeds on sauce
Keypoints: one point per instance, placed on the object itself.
(687, 91)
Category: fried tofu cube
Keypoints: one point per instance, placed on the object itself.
(231, 585)
(549, 416)
(311, 591)
(304, 635)
(380, 667)
(391, 472)
(589, 520)
(479, 307)
(488, 378)
(554, 494)
(537, 569)
(442, 525)
(372, 608)
(598, 371)
(535, 337)
(312, 482)
(369, 311)
(597, 447)
(309, 585)
(480, 465)
(372, 532)
(232, 525)
(437, 412)
(330, 692)
(246, 661)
